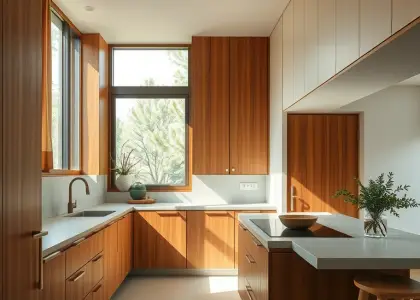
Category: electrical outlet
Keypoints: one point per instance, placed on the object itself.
(248, 186)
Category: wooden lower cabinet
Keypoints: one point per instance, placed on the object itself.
(98, 292)
(111, 260)
(211, 239)
(125, 246)
(160, 240)
(54, 278)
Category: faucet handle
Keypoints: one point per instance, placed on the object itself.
(75, 204)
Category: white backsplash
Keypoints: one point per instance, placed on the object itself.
(209, 189)
(55, 194)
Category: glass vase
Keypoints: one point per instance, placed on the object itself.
(375, 225)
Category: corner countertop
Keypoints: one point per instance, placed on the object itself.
(399, 250)
(63, 230)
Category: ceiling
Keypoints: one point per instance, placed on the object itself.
(172, 21)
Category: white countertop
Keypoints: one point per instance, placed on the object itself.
(400, 250)
(63, 231)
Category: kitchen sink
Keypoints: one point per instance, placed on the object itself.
(92, 213)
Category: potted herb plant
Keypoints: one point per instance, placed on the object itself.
(376, 199)
(123, 167)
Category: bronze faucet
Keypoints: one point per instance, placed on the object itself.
(72, 205)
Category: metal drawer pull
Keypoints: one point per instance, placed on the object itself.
(97, 258)
(78, 276)
(256, 242)
(77, 242)
(37, 235)
(97, 289)
(249, 291)
(250, 259)
(52, 256)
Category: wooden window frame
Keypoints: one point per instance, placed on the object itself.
(151, 92)
(71, 33)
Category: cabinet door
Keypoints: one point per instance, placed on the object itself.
(298, 49)
(54, 278)
(311, 45)
(237, 233)
(98, 292)
(125, 246)
(210, 104)
(326, 40)
(347, 33)
(375, 23)
(145, 231)
(249, 106)
(210, 239)
(404, 12)
(288, 67)
(111, 260)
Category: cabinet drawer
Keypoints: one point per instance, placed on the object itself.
(78, 285)
(97, 268)
(78, 255)
(98, 292)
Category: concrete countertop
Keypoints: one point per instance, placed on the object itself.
(63, 230)
(399, 250)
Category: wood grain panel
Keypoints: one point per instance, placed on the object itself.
(323, 156)
(21, 70)
(98, 292)
(237, 228)
(80, 283)
(145, 227)
(97, 269)
(111, 260)
(210, 103)
(125, 245)
(248, 105)
(54, 279)
(211, 241)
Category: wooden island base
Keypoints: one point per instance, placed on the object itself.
(285, 275)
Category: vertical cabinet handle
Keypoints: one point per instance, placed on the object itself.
(292, 198)
(37, 235)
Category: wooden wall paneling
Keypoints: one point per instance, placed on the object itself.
(249, 106)
(54, 278)
(299, 48)
(347, 33)
(95, 108)
(326, 40)
(111, 260)
(288, 68)
(21, 147)
(322, 158)
(211, 241)
(210, 102)
(404, 12)
(375, 23)
(311, 45)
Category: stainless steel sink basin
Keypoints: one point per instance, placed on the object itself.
(92, 213)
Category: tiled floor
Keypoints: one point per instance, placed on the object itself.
(182, 288)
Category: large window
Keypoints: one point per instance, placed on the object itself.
(150, 115)
(65, 93)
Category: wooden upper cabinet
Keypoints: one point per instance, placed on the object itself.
(375, 23)
(160, 240)
(347, 33)
(54, 278)
(211, 240)
(326, 40)
(404, 12)
(248, 105)
(210, 105)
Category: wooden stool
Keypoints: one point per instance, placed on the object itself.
(386, 287)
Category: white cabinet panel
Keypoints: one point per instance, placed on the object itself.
(375, 23)
(326, 40)
(298, 48)
(288, 63)
(311, 45)
(403, 12)
(347, 33)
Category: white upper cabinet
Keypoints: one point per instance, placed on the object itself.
(288, 62)
(375, 23)
(311, 45)
(298, 49)
(403, 12)
(347, 33)
(326, 40)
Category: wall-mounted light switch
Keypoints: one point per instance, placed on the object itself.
(248, 186)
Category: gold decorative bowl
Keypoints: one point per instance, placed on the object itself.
(300, 222)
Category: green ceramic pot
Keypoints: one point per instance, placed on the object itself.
(138, 191)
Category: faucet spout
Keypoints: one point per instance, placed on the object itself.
(72, 205)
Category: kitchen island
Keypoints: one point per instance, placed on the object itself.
(275, 264)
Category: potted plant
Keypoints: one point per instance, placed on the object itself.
(377, 198)
(124, 169)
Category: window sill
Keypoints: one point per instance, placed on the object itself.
(160, 189)
(58, 173)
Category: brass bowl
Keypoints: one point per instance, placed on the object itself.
(300, 222)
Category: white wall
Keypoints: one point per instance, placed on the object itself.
(390, 136)
(55, 193)
(276, 181)
(208, 190)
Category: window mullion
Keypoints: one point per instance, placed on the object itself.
(66, 97)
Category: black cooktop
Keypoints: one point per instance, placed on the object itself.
(274, 228)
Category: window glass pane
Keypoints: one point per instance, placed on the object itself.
(155, 130)
(150, 67)
(57, 89)
(75, 108)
